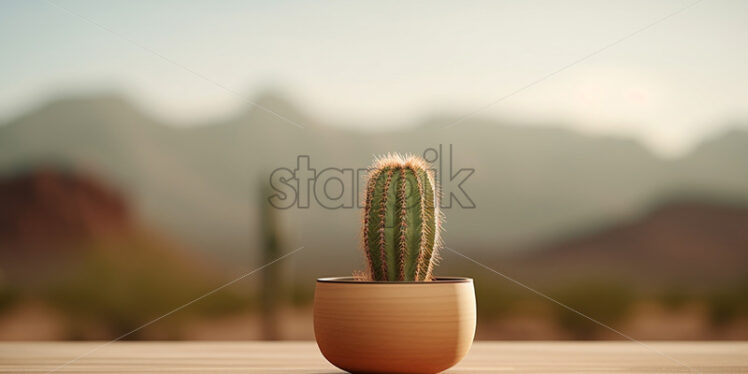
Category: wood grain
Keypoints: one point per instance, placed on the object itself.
(304, 357)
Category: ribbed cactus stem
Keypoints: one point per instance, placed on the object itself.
(401, 220)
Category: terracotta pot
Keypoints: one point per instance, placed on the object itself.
(394, 327)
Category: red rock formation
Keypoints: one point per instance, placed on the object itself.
(46, 207)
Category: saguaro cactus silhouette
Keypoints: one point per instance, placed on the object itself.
(401, 220)
(271, 287)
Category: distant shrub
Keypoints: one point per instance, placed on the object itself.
(728, 304)
(675, 297)
(119, 286)
(606, 302)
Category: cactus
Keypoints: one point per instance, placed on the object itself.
(401, 220)
(271, 286)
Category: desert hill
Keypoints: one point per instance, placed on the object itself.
(71, 242)
(532, 182)
(690, 244)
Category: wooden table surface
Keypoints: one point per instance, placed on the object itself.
(304, 357)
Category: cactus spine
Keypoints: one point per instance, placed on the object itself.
(401, 220)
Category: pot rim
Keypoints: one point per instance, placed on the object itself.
(351, 280)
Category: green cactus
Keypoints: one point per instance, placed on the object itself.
(401, 220)
(271, 286)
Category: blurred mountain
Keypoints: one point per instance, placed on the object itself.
(688, 244)
(46, 207)
(50, 216)
(71, 242)
(53, 217)
(533, 182)
(718, 165)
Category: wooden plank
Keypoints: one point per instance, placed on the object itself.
(304, 357)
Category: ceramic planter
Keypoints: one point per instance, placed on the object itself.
(394, 327)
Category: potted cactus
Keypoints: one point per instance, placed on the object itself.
(396, 316)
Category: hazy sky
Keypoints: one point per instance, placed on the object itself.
(393, 63)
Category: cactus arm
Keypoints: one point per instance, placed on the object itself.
(412, 227)
(382, 223)
(428, 217)
(402, 225)
(390, 233)
(373, 221)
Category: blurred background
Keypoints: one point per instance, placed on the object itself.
(608, 143)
